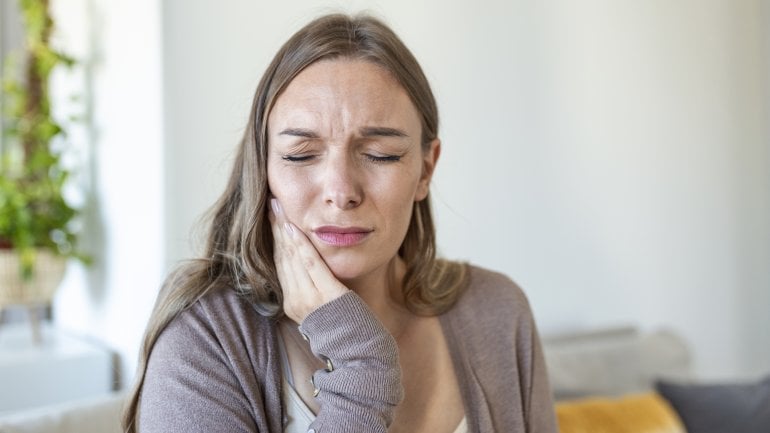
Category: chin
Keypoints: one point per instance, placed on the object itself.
(351, 265)
(348, 271)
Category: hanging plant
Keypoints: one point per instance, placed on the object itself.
(34, 216)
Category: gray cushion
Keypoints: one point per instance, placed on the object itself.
(720, 408)
(613, 361)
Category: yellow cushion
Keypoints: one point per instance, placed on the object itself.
(639, 413)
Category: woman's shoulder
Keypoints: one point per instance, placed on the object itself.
(214, 361)
(491, 308)
(491, 295)
(224, 314)
(492, 286)
(212, 330)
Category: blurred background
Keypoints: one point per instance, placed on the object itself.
(611, 156)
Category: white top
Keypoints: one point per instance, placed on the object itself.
(298, 415)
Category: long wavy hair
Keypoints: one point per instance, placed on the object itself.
(239, 246)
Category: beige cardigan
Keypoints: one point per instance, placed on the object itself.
(217, 366)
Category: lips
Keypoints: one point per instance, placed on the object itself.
(341, 236)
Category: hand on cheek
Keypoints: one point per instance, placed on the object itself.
(306, 280)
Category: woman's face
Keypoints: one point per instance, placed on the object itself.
(345, 162)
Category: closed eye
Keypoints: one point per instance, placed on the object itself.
(381, 159)
(297, 158)
(371, 158)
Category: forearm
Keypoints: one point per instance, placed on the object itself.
(363, 387)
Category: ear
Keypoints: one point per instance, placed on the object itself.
(429, 160)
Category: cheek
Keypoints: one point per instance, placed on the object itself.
(410, 184)
(289, 189)
(402, 200)
(272, 184)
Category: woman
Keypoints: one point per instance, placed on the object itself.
(319, 304)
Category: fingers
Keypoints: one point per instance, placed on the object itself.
(305, 278)
(322, 277)
(295, 283)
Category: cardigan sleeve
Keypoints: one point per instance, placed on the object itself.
(536, 397)
(189, 385)
(361, 386)
(539, 407)
(214, 369)
(498, 356)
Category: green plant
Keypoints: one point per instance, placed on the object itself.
(33, 211)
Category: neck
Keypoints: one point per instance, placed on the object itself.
(382, 293)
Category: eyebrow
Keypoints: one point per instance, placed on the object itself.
(381, 131)
(367, 131)
(299, 132)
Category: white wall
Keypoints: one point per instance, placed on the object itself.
(653, 149)
(119, 47)
(611, 156)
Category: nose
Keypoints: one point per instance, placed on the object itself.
(342, 183)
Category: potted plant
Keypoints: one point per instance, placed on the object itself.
(37, 234)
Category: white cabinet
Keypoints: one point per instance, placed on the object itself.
(63, 367)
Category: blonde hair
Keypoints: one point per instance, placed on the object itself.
(239, 247)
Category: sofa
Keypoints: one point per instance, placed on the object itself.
(615, 380)
(622, 380)
(614, 361)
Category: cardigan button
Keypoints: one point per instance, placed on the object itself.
(329, 365)
(316, 391)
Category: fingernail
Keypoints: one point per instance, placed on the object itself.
(276, 207)
(289, 229)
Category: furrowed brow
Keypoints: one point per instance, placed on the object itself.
(381, 131)
(299, 132)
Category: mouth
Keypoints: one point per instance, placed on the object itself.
(341, 236)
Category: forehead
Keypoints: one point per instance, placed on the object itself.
(352, 90)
